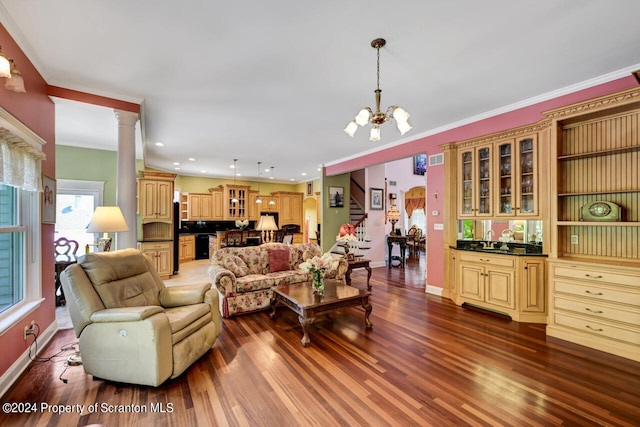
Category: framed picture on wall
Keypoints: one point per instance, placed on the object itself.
(419, 164)
(376, 200)
(48, 200)
(336, 197)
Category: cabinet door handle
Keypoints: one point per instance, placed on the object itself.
(594, 277)
(594, 311)
(594, 329)
(484, 260)
(594, 293)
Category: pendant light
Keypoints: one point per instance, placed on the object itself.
(271, 201)
(234, 200)
(258, 199)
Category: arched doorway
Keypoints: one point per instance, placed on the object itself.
(310, 223)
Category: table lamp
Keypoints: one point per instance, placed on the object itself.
(393, 216)
(267, 225)
(107, 219)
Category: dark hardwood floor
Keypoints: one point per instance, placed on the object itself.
(425, 362)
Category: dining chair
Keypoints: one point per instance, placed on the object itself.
(64, 246)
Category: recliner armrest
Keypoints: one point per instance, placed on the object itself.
(177, 296)
(125, 314)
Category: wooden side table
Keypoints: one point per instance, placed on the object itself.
(358, 263)
(400, 241)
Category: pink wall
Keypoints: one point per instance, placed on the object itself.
(36, 111)
(435, 238)
(435, 175)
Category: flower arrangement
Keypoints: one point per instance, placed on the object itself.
(317, 267)
(242, 224)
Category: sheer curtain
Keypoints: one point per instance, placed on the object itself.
(19, 162)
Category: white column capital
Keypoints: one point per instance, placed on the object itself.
(126, 118)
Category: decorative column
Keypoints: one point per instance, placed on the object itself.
(126, 177)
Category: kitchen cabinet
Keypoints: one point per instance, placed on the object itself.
(155, 196)
(217, 204)
(161, 254)
(186, 248)
(290, 211)
(253, 208)
(270, 203)
(235, 210)
(184, 206)
(508, 284)
(200, 207)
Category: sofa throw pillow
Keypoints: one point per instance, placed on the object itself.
(278, 259)
(236, 265)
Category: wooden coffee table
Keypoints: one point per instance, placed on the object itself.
(302, 301)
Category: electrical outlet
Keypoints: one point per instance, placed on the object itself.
(29, 329)
(574, 239)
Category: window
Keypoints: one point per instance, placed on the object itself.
(11, 249)
(75, 202)
(20, 244)
(19, 254)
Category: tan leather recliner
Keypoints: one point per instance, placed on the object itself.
(131, 328)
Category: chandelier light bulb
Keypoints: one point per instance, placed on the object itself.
(375, 134)
(351, 128)
(363, 117)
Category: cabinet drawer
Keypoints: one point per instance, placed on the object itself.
(592, 308)
(602, 293)
(595, 275)
(601, 328)
(501, 261)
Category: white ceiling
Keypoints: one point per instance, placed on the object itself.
(277, 81)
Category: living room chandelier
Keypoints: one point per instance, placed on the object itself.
(366, 115)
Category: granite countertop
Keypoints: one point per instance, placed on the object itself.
(515, 249)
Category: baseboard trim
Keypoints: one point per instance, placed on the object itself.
(433, 290)
(19, 366)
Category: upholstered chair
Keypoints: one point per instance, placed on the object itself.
(131, 327)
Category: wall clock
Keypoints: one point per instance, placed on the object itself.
(600, 211)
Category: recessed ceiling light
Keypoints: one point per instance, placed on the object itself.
(159, 144)
(292, 179)
(203, 171)
(177, 169)
(267, 170)
(319, 169)
(191, 159)
(176, 163)
(303, 174)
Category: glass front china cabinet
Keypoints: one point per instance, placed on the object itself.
(517, 178)
(476, 181)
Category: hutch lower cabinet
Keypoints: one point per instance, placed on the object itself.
(508, 284)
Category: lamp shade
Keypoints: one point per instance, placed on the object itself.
(393, 215)
(267, 223)
(107, 219)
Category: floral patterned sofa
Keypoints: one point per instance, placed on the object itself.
(244, 276)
